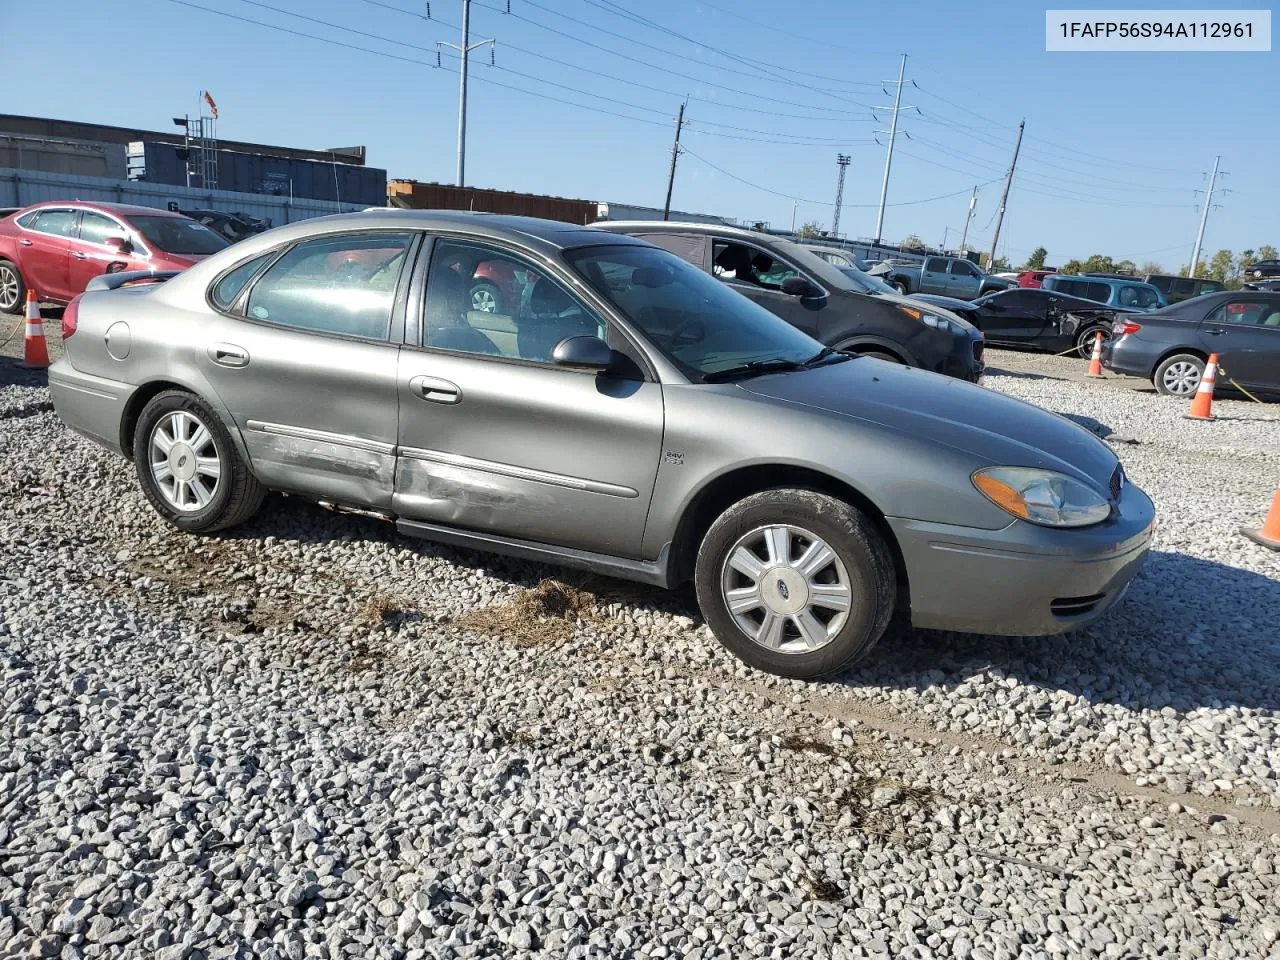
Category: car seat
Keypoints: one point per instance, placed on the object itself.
(448, 299)
(542, 325)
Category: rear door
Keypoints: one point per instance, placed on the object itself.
(934, 277)
(302, 351)
(1245, 332)
(496, 438)
(964, 281)
(44, 251)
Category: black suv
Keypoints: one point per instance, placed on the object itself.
(1177, 289)
(828, 303)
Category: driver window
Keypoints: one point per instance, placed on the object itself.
(751, 265)
(339, 284)
(485, 301)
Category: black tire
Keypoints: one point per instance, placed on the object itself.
(237, 493)
(1085, 337)
(880, 355)
(13, 289)
(861, 551)
(901, 286)
(1180, 386)
(487, 293)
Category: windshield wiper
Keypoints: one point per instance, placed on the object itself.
(825, 356)
(752, 369)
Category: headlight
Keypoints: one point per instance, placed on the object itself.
(930, 319)
(1042, 496)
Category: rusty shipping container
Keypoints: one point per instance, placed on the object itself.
(411, 194)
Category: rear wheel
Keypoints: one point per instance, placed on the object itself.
(12, 290)
(1085, 338)
(794, 582)
(1179, 375)
(188, 466)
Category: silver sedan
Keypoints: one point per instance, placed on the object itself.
(613, 409)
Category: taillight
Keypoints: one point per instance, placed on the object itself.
(69, 316)
(1129, 327)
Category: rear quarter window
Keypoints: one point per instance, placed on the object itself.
(226, 290)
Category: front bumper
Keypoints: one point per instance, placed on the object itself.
(1023, 580)
(92, 406)
(967, 359)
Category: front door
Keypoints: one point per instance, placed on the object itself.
(304, 355)
(1245, 333)
(759, 276)
(44, 249)
(494, 437)
(90, 256)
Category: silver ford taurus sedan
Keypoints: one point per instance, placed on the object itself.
(611, 408)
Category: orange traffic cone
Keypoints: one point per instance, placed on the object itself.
(1268, 535)
(35, 354)
(1202, 402)
(1095, 362)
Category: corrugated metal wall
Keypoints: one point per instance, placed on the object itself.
(21, 187)
(443, 196)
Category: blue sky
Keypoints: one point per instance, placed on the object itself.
(1115, 143)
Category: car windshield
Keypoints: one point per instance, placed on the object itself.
(178, 235)
(698, 322)
(865, 282)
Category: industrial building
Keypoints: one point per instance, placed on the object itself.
(44, 145)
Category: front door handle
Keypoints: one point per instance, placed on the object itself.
(1216, 332)
(435, 390)
(25, 242)
(229, 355)
(80, 256)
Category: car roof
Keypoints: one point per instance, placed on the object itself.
(119, 209)
(554, 232)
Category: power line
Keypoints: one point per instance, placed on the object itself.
(824, 203)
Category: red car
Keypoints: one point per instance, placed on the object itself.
(1033, 278)
(57, 248)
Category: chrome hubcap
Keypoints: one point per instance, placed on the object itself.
(786, 589)
(8, 289)
(1181, 378)
(484, 301)
(184, 461)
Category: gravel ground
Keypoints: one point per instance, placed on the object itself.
(314, 738)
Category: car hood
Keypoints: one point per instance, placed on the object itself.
(948, 303)
(915, 303)
(996, 429)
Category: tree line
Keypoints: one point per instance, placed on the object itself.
(1224, 266)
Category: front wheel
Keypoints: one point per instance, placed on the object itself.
(1179, 375)
(188, 466)
(901, 287)
(795, 582)
(485, 297)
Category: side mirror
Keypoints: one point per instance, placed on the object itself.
(798, 287)
(585, 353)
(120, 245)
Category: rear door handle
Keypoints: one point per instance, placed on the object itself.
(229, 355)
(25, 242)
(1216, 332)
(435, 390)
(81, 256)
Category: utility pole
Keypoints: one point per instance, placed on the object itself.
(1204, 218)
(464, 55)
(973, 202)
(888, 157)
(675, 152)
(945, 231)
(842, 162)
(794, 204)
(1004, 197)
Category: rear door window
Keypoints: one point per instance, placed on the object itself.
(341, 285)
(1248, 313)
(1099, 292)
